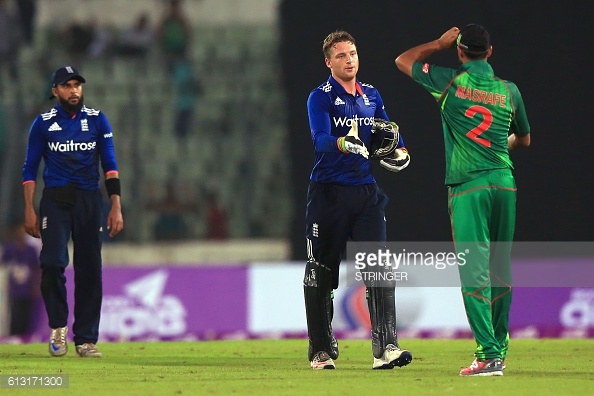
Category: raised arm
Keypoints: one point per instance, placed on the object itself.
(405, 61)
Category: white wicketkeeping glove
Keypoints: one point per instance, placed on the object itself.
(396, 162)
(351, 142)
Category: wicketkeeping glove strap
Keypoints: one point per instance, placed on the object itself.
(350, 144)
(397, 162)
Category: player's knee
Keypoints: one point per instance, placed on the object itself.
(317, 275)
(51, 276)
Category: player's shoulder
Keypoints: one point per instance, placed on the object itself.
(420, 68)
(509, 83)
(45, 119)
(367, 86)
(323, 89)
(368, 89)
(511, 86)
(322, 93)
(48, 115)
(91, 112)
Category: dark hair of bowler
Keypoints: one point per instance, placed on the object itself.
(476, 55)
(338, 36)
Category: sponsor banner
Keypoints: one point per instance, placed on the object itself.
(276, 304)
(552, 312)
(275, 298)
(167, 303)
(265, 300)
(276, 308)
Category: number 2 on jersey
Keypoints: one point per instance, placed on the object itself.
(475, 132)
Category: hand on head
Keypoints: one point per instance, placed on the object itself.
(448, 39)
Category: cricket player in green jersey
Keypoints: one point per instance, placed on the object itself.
(483, 117)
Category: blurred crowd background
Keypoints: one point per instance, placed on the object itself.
(207, 100)
(192, 91)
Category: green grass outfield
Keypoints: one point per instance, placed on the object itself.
(280, 367)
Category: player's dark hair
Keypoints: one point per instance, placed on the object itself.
(475, 55)
(338, 36)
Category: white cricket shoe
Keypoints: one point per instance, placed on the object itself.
(392, 357)
(322, 361)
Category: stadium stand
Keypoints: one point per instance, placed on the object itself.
(237, 134)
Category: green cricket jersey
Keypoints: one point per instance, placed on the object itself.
(478, 112)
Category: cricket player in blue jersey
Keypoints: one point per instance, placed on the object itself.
(72, 139)
(344, 202)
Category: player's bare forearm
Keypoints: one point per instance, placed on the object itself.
(29, 193)
(31, 219)
(405, 61)
(115, 220)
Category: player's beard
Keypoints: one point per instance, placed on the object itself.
(72, 109)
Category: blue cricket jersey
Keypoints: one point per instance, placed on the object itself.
(331, 112)
(71, 147)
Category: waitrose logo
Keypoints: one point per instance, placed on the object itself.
(71, 145)
(344, 121)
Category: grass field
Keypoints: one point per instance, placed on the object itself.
(280, 367)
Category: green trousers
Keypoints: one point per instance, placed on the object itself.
(483, 215)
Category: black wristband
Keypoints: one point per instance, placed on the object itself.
(113, 186)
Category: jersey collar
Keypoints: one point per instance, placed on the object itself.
(64, 113)
(477, 66)
(339, 88)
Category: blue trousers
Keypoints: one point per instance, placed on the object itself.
(337, 213)
(80, 219)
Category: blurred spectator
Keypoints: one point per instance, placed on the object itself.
(187, 91)
(78, 37)
(171, 224)
(2, 136)
(44, 68)
(216, 219)
(101, 39)
(21, 256)
(138, 39)
(174, 33)
(10, 43)
(86, 40)
(27, 10)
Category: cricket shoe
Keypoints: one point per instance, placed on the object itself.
(392, 357)
(88, 350)
(57, 343)
(322, 361)
(483, 368)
